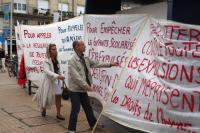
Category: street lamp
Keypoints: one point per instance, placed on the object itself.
(11, 21)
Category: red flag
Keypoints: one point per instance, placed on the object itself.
(22, 72)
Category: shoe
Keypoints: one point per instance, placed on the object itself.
(43, 113)
(99, 126)
(71, 131)
(60, 117)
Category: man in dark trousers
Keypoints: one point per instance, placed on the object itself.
(79, 81)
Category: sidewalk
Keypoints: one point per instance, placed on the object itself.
(18, 114)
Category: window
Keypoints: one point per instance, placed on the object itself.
(63, 7)
(24, 7)
(15, 6)
(20, 6)
(43, 6)
(80, 10)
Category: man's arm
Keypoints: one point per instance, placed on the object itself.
(96, 64)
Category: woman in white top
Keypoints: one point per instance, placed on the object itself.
(50, 89)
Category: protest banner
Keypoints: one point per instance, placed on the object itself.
(109, 39)
(159, 89)
(36, 39)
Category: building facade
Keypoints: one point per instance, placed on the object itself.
(36, 12)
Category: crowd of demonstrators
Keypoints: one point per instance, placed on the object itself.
(79, 81)
(50, 91)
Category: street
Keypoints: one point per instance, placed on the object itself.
(19, 114)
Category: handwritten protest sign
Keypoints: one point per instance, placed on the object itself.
(110, 39)
(159, 89)
(36, 39)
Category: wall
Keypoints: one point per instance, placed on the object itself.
(158, 10)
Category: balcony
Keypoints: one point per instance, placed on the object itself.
(41, 12)
(66, 14)
(35, 13)
(47, 13)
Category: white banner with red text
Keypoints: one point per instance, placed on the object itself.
(35, 40)
(110, 39)
(158, 90)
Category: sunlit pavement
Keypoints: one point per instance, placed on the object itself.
(19, 114)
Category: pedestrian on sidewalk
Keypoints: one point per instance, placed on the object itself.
(50, 91)
(79, 81)
(2, 57)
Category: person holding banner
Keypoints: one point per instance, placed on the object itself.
(50, 89)
(79, 81)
